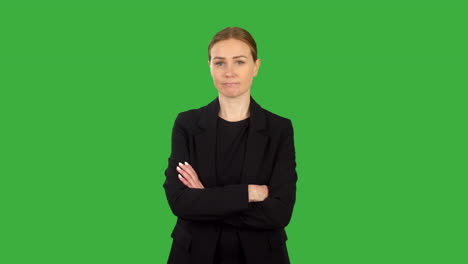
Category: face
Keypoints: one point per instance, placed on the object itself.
(232, 67)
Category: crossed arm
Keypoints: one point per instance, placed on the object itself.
(242, 205)
(189, 177)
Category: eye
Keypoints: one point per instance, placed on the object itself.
(240, 62)
(218, 63)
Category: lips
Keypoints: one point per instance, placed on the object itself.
(230, 83)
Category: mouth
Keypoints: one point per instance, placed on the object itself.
(229, 84)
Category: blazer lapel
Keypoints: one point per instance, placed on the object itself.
(256, 143)
(205, 143)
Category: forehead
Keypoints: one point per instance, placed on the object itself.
(229, 48)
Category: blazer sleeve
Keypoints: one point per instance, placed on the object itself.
(206, 204)
(276, 210)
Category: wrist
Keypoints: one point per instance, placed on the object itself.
(250, 191)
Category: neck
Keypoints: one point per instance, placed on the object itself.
(234, 108)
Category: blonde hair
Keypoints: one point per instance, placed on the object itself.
(234, 33)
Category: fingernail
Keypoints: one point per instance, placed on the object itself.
(180, 176)
(178, 168)
(180, 164)
(186, 163)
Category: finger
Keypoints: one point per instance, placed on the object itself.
(194, 180)
(199, 184)
(186, 175)
(184, 181)
(187, 167)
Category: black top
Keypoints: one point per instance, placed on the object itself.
(231, 142)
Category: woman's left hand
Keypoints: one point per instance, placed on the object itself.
(189, 176)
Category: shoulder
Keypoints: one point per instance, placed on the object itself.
(277, 122)
(186, 117)
(276, 118)
(189, 118)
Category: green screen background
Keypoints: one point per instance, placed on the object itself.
(89, 91)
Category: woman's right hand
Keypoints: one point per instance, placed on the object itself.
(257, 193)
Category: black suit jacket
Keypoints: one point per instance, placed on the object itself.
(269, 160)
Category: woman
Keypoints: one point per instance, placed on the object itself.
(231, 178)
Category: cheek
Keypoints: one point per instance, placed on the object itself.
(247, 75)
(215, 75)
(218, 77)
(249, 70)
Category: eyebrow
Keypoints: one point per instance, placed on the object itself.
(235, 57)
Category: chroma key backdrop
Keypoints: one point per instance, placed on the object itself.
(376, 92)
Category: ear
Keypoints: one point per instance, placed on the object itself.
(256, 67)
(208, 62)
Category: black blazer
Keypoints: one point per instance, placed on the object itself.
(269, 160)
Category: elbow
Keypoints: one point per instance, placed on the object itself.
(280, 220)
(179, 210)
(283, 221)
(281, 214)
(174, 208)
(285, 215)
(177, 207)
(183, 209)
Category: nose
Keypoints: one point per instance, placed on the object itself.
(229, 71)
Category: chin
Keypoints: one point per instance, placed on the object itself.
(231, 93)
